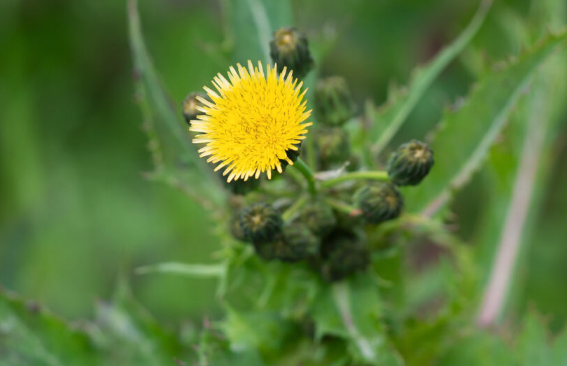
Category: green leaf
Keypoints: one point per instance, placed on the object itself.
(518, 175)
(466, 135)
(351, 310)
(251, 24)
(215, 350)
(266, 332)
(290, 290)
(530, 345)
(176, 159)
(31, 335)
(190, 270)
(128, 334)
(390, 117)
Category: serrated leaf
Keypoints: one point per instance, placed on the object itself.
(467, 134)
(215, 350)
(518, 163)
(532, 344)
(252, 23)
(266, 332)
(289, 290)
(478, 349)
(31, 335)
(518, 175)
(389, 118)
(130, 336)
(351, 310)
(176, 159)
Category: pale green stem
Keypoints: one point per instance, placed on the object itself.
(290, 212)
(342, 206)
(308, 174)
(370, 175)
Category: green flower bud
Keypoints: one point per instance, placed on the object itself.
(379, 202)
(295, 243)
(260, 223)
(190, 104)
(289, 48)
(333, 102)
(319, 217)
(333, 146)
(268, 250)
(235, 228)
(343, 253)
(299, 242)
(410, 163)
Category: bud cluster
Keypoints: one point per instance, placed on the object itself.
(261, 225)
(329, 229)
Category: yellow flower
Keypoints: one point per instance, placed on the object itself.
(252, 121)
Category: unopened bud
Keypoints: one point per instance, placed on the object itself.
(299, 242)
(319, 217)
(260, 223)
(410, 163)
(333, 146)
(343, 253)
(236, 228)
(333, 102)
(379, 202)
(289, 48)
(189, 106)
(295, 243)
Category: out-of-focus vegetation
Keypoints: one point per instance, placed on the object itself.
(76, 214)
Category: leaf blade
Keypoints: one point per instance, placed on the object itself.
(351, 310)
(190, 270)
(389, 119)
(474, 128)
(252, 23)
(176, 159)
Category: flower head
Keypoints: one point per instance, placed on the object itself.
(252, 121)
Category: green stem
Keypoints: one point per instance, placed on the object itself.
(290, 212)
(373, 175)
(307, 173)
(342, 206)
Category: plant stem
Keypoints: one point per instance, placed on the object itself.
(290, 212)
(308, 174)
(342, 206)
(373, 175)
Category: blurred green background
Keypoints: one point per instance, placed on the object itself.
(75, 212)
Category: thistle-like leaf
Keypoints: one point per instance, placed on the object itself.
(351, 310)
(251, 23)
(465, 135)
(176, 159)
(389, 118)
